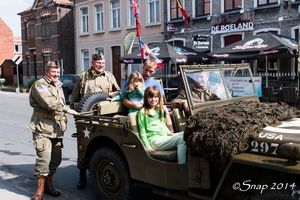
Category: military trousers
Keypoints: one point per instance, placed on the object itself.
(170, 142)
(48, 155)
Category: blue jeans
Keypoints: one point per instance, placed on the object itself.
(171, 142)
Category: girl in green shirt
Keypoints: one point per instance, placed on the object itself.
(155, 125)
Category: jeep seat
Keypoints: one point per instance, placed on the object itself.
(107, 107)
(166, 155)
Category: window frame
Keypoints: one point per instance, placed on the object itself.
(153, 11)
(233, 8)
(204, 5)
(85, 59)
(84, 20)
(46, 58)
(131, 17)
(115, 14)
(267, 3)
(99, 17)
(174, 10)
(46, 27)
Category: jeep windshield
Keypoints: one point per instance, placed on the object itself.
(222, 84)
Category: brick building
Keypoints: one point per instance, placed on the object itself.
(6, 42)
(47, 34)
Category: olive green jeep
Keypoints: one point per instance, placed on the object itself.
(108, 143)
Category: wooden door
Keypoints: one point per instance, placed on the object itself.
(116, 53)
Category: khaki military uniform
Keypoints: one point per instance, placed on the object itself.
(48, 123)
(89, 82)
(200, 95)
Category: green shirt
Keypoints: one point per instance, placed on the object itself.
(150, 127)
(136, 96)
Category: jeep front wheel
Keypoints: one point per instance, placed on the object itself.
(109, 174)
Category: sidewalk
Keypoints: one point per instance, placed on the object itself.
(10, 192)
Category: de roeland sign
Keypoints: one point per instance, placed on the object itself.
(237, 26)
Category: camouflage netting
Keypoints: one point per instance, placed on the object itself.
(217, 133)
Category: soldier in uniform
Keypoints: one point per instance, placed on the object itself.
(201, 90)
(48, 124)
(95, 79)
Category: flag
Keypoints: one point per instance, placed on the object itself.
(144, 50)
(183, 12)
(146, 53)
(136, 15)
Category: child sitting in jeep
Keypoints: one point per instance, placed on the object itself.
(156, 129)
(134, 90)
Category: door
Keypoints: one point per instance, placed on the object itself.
(116, 54)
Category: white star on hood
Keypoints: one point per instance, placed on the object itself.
(86, 133)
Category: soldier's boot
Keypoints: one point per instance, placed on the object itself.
(82, 179)
(49, 189)
(39, 194)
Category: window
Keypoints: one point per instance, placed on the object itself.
(175, 12)
(153, 11)
(202, 7)
(46, 27)
(45, 2)
(85, 59)
(47, 57)
(99, 50)
(115, 14)
(18, 49)
(232, 5)
(99, 17)
(131, 17)
(31, 33)
(266, 2)
(84, 26)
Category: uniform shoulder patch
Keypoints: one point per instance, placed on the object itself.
(42, 88)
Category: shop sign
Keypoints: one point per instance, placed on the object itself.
(237, 26)
(201, 43)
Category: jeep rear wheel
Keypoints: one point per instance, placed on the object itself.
(90, 101)
(109, 175)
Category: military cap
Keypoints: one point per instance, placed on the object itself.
(53, 64)
(97, 56)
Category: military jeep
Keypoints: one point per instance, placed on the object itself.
(108, 143)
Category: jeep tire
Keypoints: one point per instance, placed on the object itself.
(90, 101)
(109, 175)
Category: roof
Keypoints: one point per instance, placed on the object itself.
(33, 7)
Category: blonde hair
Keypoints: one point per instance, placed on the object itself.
(150, 62)
(134, 76)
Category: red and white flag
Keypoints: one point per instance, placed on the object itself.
(136, 15)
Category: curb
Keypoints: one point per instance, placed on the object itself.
(14, 90)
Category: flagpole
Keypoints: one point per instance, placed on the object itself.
(138, 26)
(142, 61)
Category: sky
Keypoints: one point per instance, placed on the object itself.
(9, 10)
